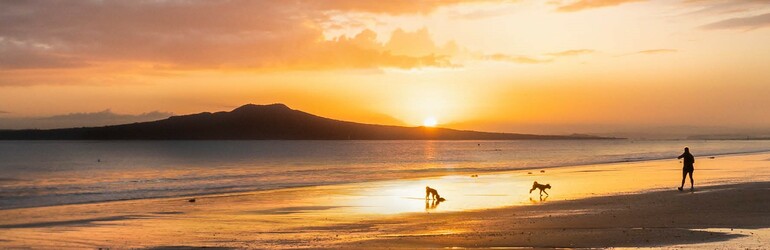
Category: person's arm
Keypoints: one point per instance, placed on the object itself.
(680, 156)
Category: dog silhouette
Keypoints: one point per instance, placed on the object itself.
(541, 187)
(432, 193)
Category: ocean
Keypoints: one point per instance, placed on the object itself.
(47, 173)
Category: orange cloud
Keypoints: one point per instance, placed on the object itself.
(747, 23)
(387, 7)
(655, 51)
(719, 7)
(418, 42)
(590, 4)
(549, 57)
(650, 52)
(515, 59)
(363, 51)
(575, 52)
(205, 34)
(20, 55)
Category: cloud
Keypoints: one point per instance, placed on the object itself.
(745, 23)
(545, 58)
(654, 51)
(575, 52)
(418, 42)
(649, 52)
(21, 55)
(102, 118)
(719, 7)
(404, 50)
(482, 13)
(393, 7)
(515, 59)
(196, 34)
(590, 4)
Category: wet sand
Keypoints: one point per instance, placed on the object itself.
(653, 219)
(631, 204)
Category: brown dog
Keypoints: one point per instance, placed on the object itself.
(541, 187)
(429, 191)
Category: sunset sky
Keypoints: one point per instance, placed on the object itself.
(534, 66)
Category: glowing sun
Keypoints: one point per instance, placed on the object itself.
(429, 122)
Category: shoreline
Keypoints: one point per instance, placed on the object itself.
(419, 175)
(492, 210)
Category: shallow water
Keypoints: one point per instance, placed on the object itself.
(43, 173)
(321, 216)
(493, 190)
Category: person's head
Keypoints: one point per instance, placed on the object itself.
(686, 149)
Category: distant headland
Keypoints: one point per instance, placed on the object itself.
(265, 122)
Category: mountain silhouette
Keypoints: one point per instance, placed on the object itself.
(263, 122)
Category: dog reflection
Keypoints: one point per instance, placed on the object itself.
(542, 199)
(432, 204)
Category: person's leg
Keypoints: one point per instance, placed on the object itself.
(684, 176)
(692, 182)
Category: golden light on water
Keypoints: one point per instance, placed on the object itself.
(460, 193)
(467, 191)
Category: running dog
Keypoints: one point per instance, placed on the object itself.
(541, 187)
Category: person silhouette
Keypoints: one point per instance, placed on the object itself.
(687, 168)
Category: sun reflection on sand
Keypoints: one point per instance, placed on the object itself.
(461, 193)
(474, 192)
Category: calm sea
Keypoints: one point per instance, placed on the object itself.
(43, 173)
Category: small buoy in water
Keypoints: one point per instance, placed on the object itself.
(474, 175)
(191, 200)
(529, 172)
(711, 157)
(542, 171)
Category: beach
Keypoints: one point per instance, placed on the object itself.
(626, 204)
(355, 124)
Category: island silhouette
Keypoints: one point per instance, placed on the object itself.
(265, 122)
